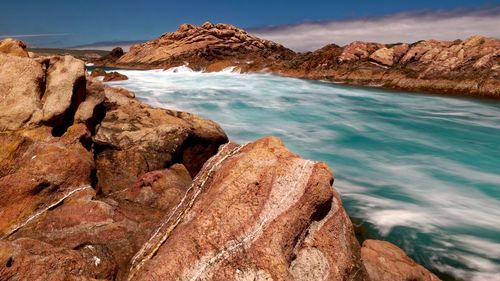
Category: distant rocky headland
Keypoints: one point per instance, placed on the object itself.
(470, 67)
(95, 185)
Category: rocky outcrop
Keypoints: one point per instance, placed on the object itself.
(469, 67)
(114, 76)
(134, 138)
(111, 57)
(385, 261)
(13, 47)
(95, 185)
(255, 211)
(210, 46)
(97, 72)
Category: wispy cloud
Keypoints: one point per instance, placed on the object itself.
(34, 35)
(402, 27)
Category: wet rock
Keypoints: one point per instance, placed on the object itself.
(385, 261)
(256, 210)
(13, 47)
(97, 72)
(114, 76)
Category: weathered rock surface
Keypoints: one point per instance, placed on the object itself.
(210, 46)
(255, 212)
(95, 185)
(134, 138)
(114, 76)
(385, 261)
(97, 72)
(64, 87)
(13, 47)
(470, 67)
(21, 89)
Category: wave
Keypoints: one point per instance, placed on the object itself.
(420, 171)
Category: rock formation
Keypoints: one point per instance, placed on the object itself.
(385, 261)
(469, 67)
(212, 46)
(97, 72)
(13, 47)
(95, 185)
(114, 76)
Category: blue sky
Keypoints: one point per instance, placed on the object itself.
(68, 23)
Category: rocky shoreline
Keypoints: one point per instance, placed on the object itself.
(470, 67)
(95, 185)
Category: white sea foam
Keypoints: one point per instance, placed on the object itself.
(424, 165)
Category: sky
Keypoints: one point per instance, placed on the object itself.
(300, 25)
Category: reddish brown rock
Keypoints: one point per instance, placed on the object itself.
(29, 259)
(254, 211)
(114, 76)
(385, 261)
(13, 47)
(358, 50)
(135, 138)
(383, 56)
(97, 72)
(38, 171)
(469, 67)
(201, 46)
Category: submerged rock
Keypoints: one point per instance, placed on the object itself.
(385, 261)
(114, 76)
(97, 72)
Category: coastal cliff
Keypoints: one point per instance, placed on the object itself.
(469, 67)
(95, 185)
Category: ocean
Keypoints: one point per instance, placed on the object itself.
(421, 171)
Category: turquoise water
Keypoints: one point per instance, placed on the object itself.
(418, 170)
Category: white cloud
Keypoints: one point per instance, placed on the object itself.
(33, 35)
(403, 27)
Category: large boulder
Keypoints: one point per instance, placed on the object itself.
(114, 76)
(254, 212)
(13, 47)
(385, 261)
(64, 89)
(45, 91)
(21, 88)
(134, 138)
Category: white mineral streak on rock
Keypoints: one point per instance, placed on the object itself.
(160, 235)
(287, 189)
(38, 213)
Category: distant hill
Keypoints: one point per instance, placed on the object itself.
(81, 54)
